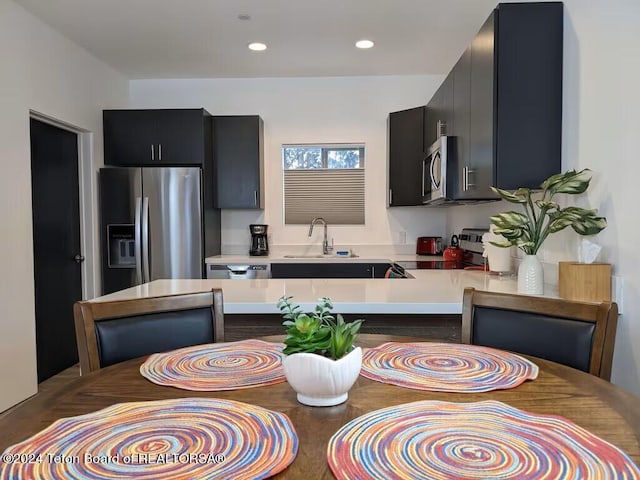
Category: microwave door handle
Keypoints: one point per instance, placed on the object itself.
(424, 164)
(137, 243)
(145, 240)
(435, 183)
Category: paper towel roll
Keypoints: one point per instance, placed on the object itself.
(499, 258)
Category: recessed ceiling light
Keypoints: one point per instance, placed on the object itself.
(257, 46)
(364, 44)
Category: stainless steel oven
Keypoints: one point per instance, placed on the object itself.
(435, 168)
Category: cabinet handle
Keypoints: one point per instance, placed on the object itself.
(390, 197)
(470, 185)
(255, 198)
(159, 151)
(466, 183)
(152, 155)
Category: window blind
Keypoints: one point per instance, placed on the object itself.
(336, 195)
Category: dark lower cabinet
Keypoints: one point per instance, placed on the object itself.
(238, 159)
(329, 270)
(166, 137)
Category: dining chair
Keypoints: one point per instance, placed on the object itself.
(114, 331)
(578, 334)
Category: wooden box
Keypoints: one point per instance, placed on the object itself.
(588, 282)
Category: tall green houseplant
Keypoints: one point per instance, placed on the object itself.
(543, 216)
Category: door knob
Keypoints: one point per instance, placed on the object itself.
(78, 258)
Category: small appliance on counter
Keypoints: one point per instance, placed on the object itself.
(453, 253)
(467, 255)
(259, 244)
(429, 246)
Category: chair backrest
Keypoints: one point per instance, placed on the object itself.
(114, 331)
(578, 334)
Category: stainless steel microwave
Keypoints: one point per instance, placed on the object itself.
(435, 168)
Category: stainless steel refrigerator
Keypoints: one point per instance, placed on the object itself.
(153, 225)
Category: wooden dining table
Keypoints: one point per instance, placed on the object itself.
(594, 404)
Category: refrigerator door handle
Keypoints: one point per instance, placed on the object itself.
(145, 239)
(138, 253)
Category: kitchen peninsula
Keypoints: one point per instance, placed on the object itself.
(431, 302)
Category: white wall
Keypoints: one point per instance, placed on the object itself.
(601, 126)
(42, 71)
(601, 132)
(307, 110)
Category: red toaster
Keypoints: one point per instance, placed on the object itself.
(429, 246)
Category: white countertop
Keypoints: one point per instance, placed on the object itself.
(369, 257)
(430, 292)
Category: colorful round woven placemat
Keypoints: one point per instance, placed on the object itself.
(446, 367)
(441, 440)
(187, 438)
(217, 366)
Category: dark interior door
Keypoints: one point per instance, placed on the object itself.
(56, 243)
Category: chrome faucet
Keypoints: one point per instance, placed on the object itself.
(326, 249)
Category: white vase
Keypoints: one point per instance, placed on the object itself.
(320, 381)
(530, 276)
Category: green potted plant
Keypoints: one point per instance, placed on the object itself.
(543, 216)
(321, 361)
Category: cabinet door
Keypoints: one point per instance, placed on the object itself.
(459, 162)
(529, 93)
(433, 115)
(406, 155)
(154, 137)
(328, 270)
(238, 160)
(179, 137)
(478, 176)
(439, 116)
(128, 137)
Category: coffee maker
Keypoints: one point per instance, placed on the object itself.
(259, 244)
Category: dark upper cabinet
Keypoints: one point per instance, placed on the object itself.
(406, 154)
(155, 137)
(515, 129)
(238, 161)
(507, 102)
(439, 113)
(461, 115)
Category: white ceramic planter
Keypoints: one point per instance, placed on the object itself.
(530, 276)
(320, 381)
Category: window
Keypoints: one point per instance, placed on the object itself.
(323, 181)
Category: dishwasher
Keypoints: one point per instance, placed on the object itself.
(239, 271)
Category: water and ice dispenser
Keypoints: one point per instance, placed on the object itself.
(121, 243)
